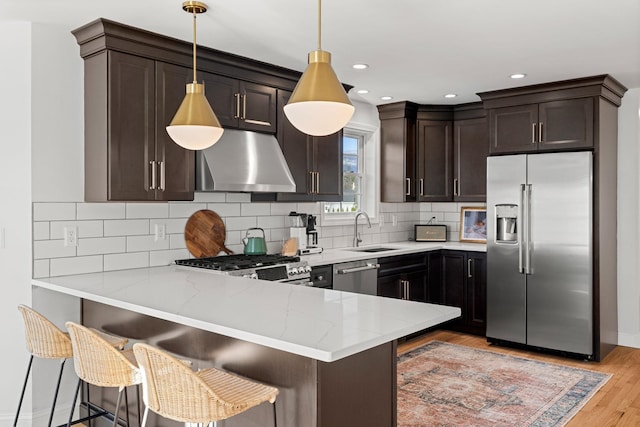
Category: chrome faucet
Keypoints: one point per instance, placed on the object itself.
(356, 235)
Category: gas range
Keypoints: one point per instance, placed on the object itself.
(277, 268)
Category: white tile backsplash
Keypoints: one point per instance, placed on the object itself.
(114, 236)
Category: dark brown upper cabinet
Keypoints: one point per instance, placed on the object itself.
(129, 156)
(433, 153)
(556, 116)
(470, 150)
(398, 152)
(239, 104)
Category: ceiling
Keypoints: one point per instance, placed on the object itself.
(417, 50)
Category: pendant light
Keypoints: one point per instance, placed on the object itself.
(319, 104)
(195, 125)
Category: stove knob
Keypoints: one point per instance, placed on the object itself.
(307, 269)
(293, 271)
(253, 276)
(246, 276)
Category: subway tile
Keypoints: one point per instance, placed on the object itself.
(314, 208)
(274, 247)
(146, 243)
(101, 211)
(236, 249)
(126, 227)
(240, 223)
(171, 225)
(176, 241)
(160, 258)
(283, 208)
(234, 237)
(389, 207)
(52, 249)
(184, 209)
(147, 210)
(238, 197)
(451, 217)
(85, 228)
(102, 245)
(445, 207)
(76, 265)
(54, 211)
(279, 235)
(209, 197)
(126, 261)
(325, 243)
(271, 221)
(40, 268)
(255, 209)
(425, 207)
(225, 209)
(41, 230)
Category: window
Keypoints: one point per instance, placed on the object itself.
(360, 181)
(352, 175)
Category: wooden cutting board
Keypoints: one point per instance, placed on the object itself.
(205, 234)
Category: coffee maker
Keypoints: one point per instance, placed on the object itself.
(303, 228)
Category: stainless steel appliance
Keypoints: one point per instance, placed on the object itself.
(539, 251)
(302, 227)
(277, 268)
(357, 276)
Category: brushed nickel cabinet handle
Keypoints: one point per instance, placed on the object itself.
(533, 133)
(421, 187)
(237, 97)
(162, 179)
(244, 107)
(153, 175)
(469, 263)
(540, 132)
(313, 182)
(317, 182)
(408, 192)
(456, 189)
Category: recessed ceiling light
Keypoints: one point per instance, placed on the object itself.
(386, 98)
(363, 91)
(450, 95)
(518, 76)
(360, 66)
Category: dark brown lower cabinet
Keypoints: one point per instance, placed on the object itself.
(403, 277)
(464, 285)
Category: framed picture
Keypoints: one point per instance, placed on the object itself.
(473, 224)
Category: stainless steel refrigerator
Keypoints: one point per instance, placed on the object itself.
(540, 251)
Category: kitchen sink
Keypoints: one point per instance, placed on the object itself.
(378, 249)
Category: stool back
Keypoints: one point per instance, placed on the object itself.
(44, 339)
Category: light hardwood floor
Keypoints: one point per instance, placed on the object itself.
(615, 404)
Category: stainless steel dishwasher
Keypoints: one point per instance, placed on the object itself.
(357, 276)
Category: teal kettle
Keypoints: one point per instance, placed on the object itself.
(254, 245)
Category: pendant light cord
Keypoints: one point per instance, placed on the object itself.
(194, 46)
(319, 24)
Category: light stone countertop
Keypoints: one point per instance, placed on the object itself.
(322, 324)
(335, 256)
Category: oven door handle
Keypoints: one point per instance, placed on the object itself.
(357, 269)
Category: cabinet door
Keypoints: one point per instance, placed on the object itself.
(434, 277)
(513, 129)
(435, 161)
(296, 147)
(566, 124)
(258, 109)
(131, 121)
(390, 286)
(471, 147)
(327, 164)
(453, 278)
(477, 292)
(175, 165)
(223, 96)
(397, 160)
(417, 288)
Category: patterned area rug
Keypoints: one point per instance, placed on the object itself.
(442, 384)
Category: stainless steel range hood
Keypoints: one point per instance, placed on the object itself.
(243, 161)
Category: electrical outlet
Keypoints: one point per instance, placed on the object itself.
(71, 236)
(160, 232)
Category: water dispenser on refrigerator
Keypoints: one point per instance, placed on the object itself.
(506, 224)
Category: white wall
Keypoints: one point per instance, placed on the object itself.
(628, 217)
(15, 209)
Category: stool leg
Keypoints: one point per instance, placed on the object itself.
(115, 416)
(55, 396)
(126, 405)
(144, 417)
(275, 419)
(24, 387)
(138, 400)
(73, 405)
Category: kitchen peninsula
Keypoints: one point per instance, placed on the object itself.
(332, 354)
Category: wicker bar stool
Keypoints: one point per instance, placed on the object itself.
(47, 341)
(98, 363)
(173, 390)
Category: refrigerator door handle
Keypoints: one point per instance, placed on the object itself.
(522, 219)
(527, 230)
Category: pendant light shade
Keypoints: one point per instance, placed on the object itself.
(319, 105)
(195, 125)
